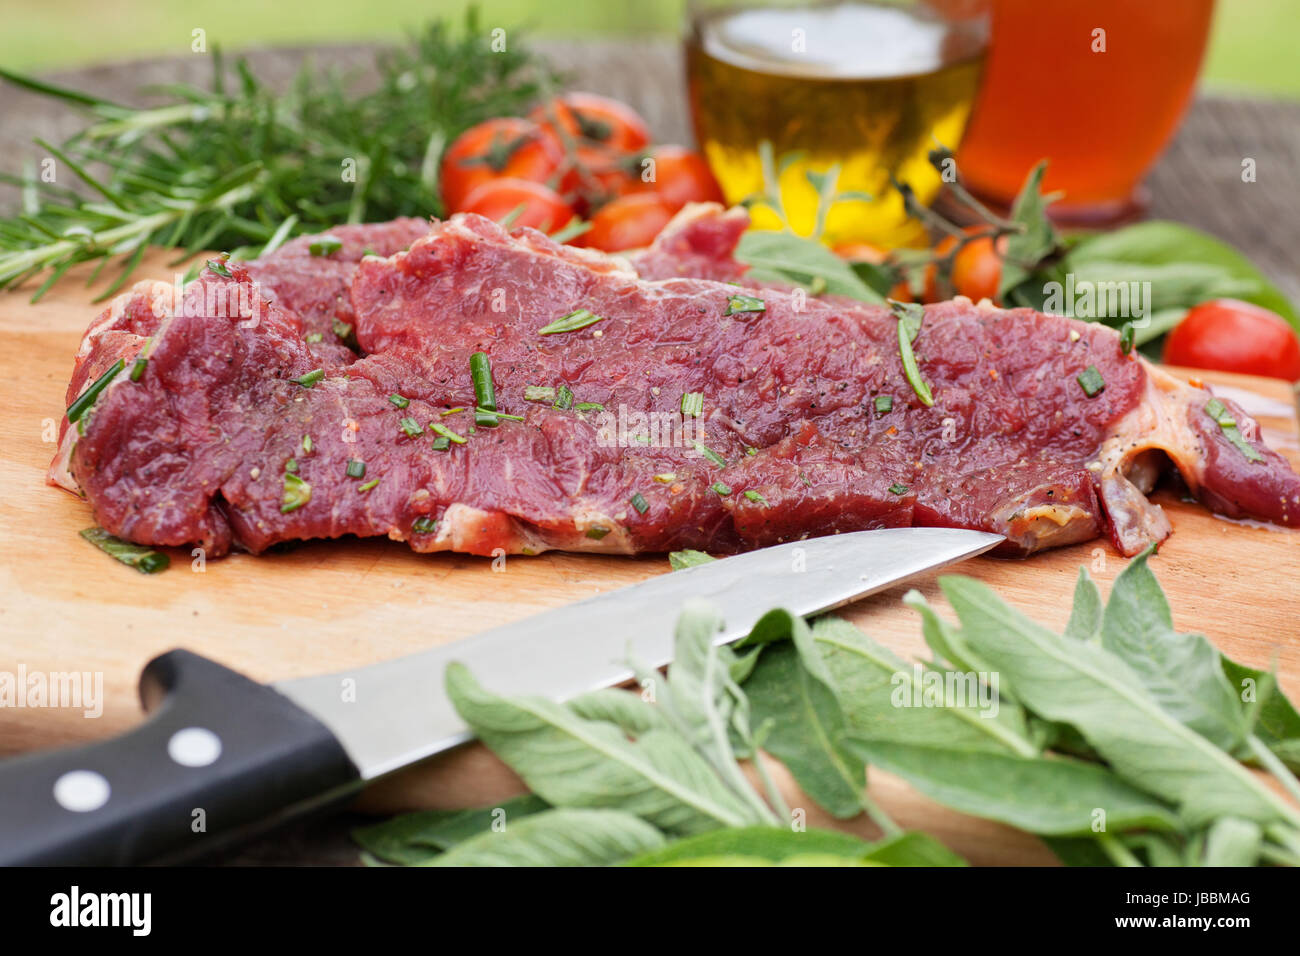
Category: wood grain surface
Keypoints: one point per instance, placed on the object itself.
(333, 605)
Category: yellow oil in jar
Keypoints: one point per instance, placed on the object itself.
(870, 87)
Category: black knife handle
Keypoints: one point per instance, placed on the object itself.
(219, 754)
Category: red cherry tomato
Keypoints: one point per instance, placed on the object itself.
(518, 202)
(594, 175)
(1232, 336)
(594, 120)
(498, 149)
(679, 175)
(866, 252)
(628, 222)
(600, 137)
(976, 272)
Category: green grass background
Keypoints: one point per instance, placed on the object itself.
(1252, 48)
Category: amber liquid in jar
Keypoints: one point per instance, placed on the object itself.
(870, 87)
(1097, 88)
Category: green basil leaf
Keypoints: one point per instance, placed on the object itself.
(1160, 849)
(771, 628)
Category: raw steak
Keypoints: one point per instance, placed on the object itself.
(315, 286)
(698, 243)
(791, 440)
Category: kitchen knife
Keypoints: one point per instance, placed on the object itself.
(221, 755)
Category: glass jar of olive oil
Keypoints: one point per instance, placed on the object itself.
(868, 88)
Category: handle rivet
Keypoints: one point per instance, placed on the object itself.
(81, 791)
(194, 747)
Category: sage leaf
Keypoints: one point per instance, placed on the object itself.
(1181, 671)
(1175, 285)
(1096, 692)
(702, 702)
(913, 849)
(1158, 848)
(561, 837)
(744, 665)
(680, 560)
(874, 684)
(758, 845)
(1036, 238)
(1078, 851)
(771, 844)
(879, 277)
(627, 711)
(570, 761)
(1060, 797)
(1276, 722)
(792, 689)
(413, 838)
(772, 627)
(1232, 842)
(1157, 324)
(785, 257)
(1085, 616)
(1160, 242)
(945, 639)
(749, 862)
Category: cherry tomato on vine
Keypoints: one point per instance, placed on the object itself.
(677, 174)
(976, 271)
(628, 222)
(600, 137)
(594, 120)
(594, 175)
(498, 149)
(520, 202)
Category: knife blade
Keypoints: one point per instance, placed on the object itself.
(240, 756)
(585, 645)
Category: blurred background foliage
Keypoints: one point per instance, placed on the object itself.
(1252, 49)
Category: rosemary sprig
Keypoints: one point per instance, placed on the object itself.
(243, 168)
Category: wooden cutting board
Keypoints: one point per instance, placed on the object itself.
(335, 604)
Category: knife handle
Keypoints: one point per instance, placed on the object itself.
(219, 754)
